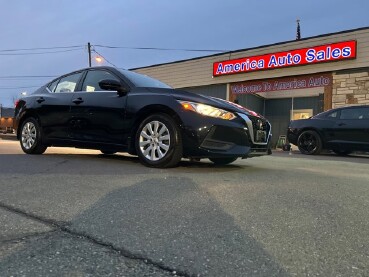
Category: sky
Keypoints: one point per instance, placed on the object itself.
(169, 24)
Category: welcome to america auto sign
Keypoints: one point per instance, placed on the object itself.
(312, 55)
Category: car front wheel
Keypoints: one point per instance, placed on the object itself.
(31, 137)
(158, 141)
(309, 143)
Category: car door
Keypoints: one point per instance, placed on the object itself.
(97, 114)
(53, 106)
(351, 129)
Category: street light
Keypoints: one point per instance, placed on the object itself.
(98, 59)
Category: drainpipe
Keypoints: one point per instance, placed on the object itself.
(292, 109)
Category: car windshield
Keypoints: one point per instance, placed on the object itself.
(140, 80)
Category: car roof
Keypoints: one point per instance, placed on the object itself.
(83, 69)
(322, 114)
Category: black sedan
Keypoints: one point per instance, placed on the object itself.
(342, 130)
(116, 110)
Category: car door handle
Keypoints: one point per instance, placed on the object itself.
(341, 124)
(77, 101)
(40, 100)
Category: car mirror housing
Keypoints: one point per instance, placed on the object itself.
(113, 85)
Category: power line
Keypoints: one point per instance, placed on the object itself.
(40, 53)
(103, 57)
(20, 87)
(27, 76)
(112, 47)
(160, 49)
(41, 48)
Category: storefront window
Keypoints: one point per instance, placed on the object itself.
(301, 114)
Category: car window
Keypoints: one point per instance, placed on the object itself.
(68, 83)
(93, 78)
(333, 114)
(358, 113)
(52, 86)
(365, 113)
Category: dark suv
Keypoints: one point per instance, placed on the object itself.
(342, 130)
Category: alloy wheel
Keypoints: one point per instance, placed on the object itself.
(29, 135)
(154, 141)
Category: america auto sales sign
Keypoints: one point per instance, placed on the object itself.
(312, 55)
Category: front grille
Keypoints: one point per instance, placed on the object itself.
(216, 145)
(261, 128)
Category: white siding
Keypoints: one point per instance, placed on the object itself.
(198, 72)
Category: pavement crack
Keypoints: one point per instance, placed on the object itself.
(31, 216)
(26, 237)
(62, 226)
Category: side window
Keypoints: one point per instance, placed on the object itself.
(52, 86)
(93, 78)
(366, 113)
(358, 113)
(333, 115)
(68, 83)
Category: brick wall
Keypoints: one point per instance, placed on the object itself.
(350, 89)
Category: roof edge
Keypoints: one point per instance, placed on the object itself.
(253, 48)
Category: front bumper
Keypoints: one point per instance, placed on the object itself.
(220, 138)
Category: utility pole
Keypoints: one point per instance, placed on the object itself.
(89, 53)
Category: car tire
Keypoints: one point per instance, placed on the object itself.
(222, 161)
(309, 143)
(158, 141)
(31, 137)
(342, 152)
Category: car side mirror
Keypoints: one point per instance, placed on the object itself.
(109, 84)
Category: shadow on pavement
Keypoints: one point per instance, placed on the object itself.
(175, 223)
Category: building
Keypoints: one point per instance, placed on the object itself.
(6, 119)
(283, 81)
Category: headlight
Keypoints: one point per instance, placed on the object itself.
(207, 110)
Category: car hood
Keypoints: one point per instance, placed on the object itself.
(208, 100)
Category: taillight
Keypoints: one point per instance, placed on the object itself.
(16, 103)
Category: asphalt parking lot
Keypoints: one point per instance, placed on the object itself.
(75, 212)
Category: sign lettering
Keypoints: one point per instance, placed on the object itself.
(312, 55)
(289, 83)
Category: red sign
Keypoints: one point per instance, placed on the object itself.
(312, 55)
(280, 84)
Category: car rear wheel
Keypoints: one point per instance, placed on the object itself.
(309, 143)
(31, 137)
(222, 161)
(158, 141)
